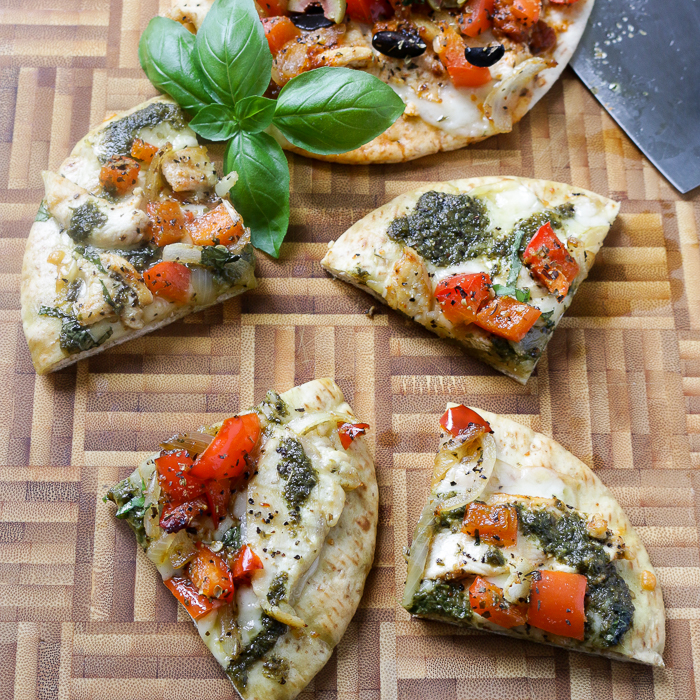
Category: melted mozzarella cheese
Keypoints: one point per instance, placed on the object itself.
(249, 614)
(534, 481)
(455, 553)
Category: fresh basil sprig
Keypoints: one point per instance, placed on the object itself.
(512, 291)
(219, 77)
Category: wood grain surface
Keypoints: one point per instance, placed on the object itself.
(83, 614)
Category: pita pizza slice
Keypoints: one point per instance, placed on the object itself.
(521, 538)
(491, 262)
(465, 70)
(263, 527)
(135, 231)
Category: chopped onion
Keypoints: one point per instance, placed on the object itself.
(204, 286)
(225, 184)
(472, 477)
(181, 549)
(306, 422)
(229, 635)
(194, 443)
(420, 548)
(185, 253)
(500, 104)
(158, 550)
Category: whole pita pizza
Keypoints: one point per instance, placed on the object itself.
(466, 70)
(521, 538)
(135, 231)
(492, 263)
(264, 528)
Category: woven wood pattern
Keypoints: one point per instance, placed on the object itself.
(82, 612)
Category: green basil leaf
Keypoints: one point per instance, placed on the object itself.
(134, 504)
(43, 214)
(522, 295)
(335, 110)
(261, 194)
(233, 52)
(255, 113)
(214, 122)
(167, 55)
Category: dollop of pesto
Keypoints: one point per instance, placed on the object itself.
(445, 228)
(86, 218)
(263, 642)
(118, 137)
(273, 408)
(609, 607)
(228, 267)
(444, 599)
(296, 469)
(494, 556)
(74, 337)
(276, 669)
(278, 589)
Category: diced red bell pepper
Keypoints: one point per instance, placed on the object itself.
(462, 73)
(460, 420)
(210, 574)
(224, 458)
(216, 227)
(197, 605)
(167, 221)
(550, 262)
(169, 280)
(368, 11)
(118, 175)
(515, 18)
(476, 17)
(176, 517)
(278, 32)
(461, 296)
(143, 151)
(556, 603)
(486, 599)
(347, 432)
(492, 524)
(507, 318)
(174, 476)
(218, 495)
(245, 563)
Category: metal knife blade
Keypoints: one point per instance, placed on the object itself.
(641, 60)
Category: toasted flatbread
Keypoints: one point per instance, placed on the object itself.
(502, 214)
(439, 116)
(568, 522)
(319, 549)
(86, 284)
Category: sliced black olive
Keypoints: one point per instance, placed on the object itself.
(398, 44)
(486, 56)
(311, 21)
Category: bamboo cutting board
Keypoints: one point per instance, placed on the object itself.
(82, 613)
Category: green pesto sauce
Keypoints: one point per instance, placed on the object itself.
(494, 556)
(609, 607)
(445, 228)
(86, 218)
(273, 408)
(444, 599)
(118, 137)
(228, 267)
(263, 642)
(74, 337)
(276, 669)
(296, 469)
(130, 507)
(278, 589)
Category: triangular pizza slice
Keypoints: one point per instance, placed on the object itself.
(521, 538)
(263, 527)
(491, 262)
(135, 231)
